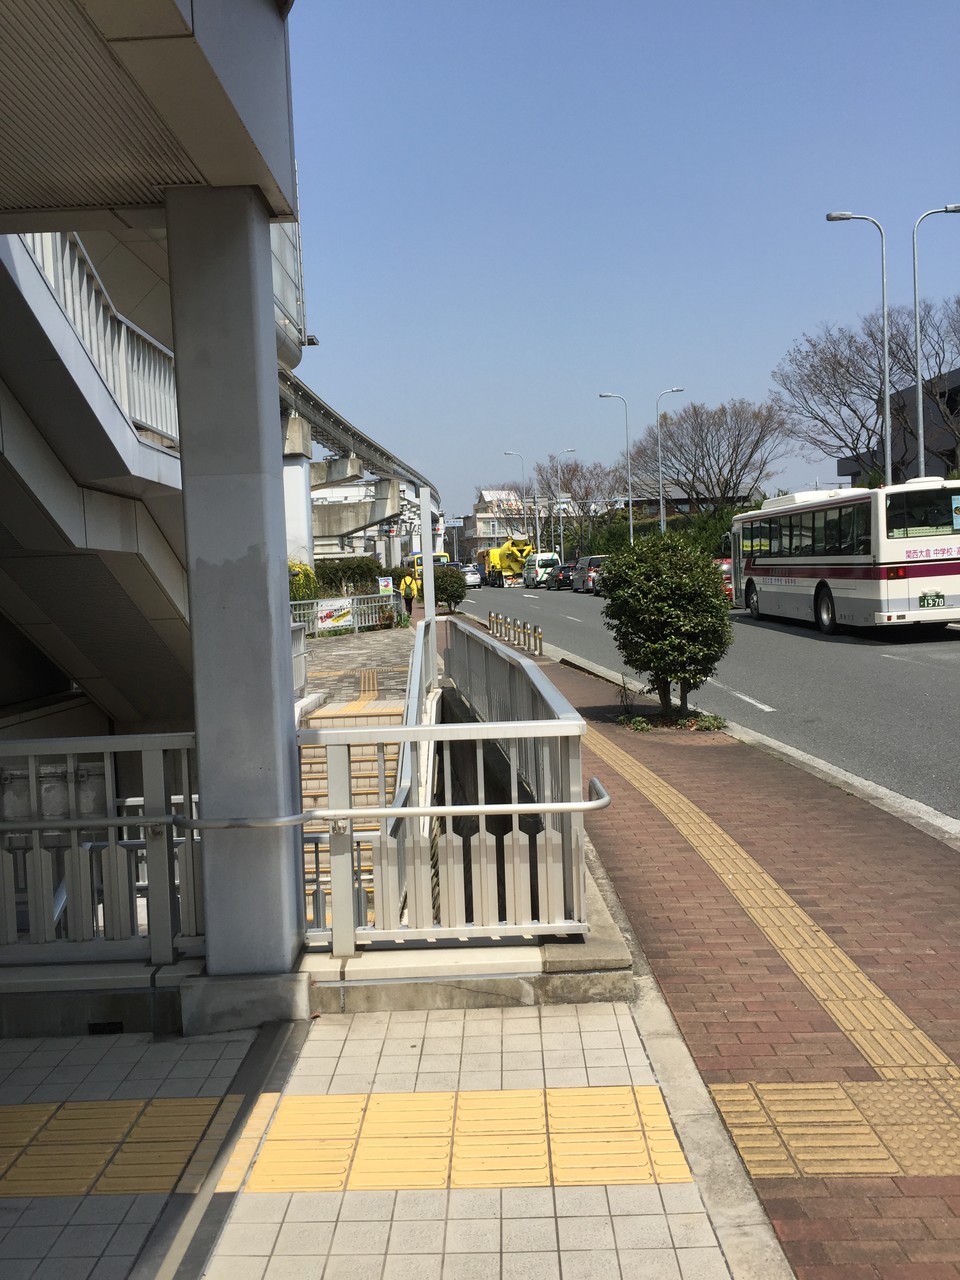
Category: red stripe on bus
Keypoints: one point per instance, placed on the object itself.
(863, 572)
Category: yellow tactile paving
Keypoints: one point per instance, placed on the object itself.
(892, 1042)
(245, 1148)
(854, 1128)
(477, 1138)
(76, 1148)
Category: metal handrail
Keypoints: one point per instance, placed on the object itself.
(409, 811)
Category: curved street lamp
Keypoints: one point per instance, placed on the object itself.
(887, 443)
(509, 453)
(663, 510)
(612, 395)
(921, 442)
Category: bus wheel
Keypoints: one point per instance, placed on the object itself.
(753, 601)
(825, 611)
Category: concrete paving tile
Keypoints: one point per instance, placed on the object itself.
(28, 1242)
(260, 1206)
(441, 1044)
(416, 1237)
(11, 1095)
(565, 1078)
(301, 1086)
(464, 1266)
(319, 1047)
(481, 1203)
(605, 1057)
(9, 1215)
(235, 1269)
(530, 1266)
(702, 1264)
(649, 1231)
(589, 1264)
(48, 1211)
(634, 1200)
(580, 1202)
(360, 1237)
(681, 1197)
(437, 1081)
(529, 1235)
(527, 1202)
(303, 1238)
(439, 1062)
(412, 1266)
(691, 1230)
(114, 1268)
(600, 1077)
(350, 1084)
(420, 1206)
(288, 1267)
(129, 1238)
(64, 1269)
(314, 1206)
(19, 1268)
(526, 1061)
(92, 1091)
(585, 1233)
(248, 1239)
(146, 1208)
(449, 1017)
(482, 1080)
(473, 1235)
(650, 1264)
(367, 1206)
(523, 1079)
(560, 1059)
(394, 1082)
(484, 1028)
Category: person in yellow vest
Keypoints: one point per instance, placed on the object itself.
(408, 589)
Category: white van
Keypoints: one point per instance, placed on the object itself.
(536, 568)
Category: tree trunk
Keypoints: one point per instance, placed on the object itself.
(684, 691)
(663, 693)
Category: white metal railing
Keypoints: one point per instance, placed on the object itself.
(298, 642)
(137, 369)
(459, 830)
(91, 865)
(347, 613)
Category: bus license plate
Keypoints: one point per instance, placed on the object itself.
(931, 600)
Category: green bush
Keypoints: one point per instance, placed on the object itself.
(449, 586)
(668, 612)
(303, 582)
(348, 576)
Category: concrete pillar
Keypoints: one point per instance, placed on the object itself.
(226, 365)
(298, 504)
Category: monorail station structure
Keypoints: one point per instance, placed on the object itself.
(148, 212)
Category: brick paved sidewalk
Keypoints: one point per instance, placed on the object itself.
(807, 944)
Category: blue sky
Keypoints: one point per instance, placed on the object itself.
(508, 206)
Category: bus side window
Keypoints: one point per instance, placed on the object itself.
(831, 532)
(846, 531)
(818, 532)
(806, 533)
(775, 538)
(861, 529)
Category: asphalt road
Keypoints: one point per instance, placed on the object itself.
(884, 706)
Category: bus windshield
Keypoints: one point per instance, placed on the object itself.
(923, 513)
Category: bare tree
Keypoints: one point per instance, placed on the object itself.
(831, 384)
(588, 488)
(713, 455)
(829, 394)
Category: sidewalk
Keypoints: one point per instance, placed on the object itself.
(806, 944)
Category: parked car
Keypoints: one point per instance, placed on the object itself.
(560, 576)
(471, 575)
(585, 573)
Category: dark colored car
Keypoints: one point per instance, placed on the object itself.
(561, 576)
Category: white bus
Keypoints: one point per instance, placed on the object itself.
(858, 557)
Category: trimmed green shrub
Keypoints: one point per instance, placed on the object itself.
(449, 586)
(669, 615)
(347, 576)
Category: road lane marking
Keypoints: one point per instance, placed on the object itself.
(743, 696)
(569, 619)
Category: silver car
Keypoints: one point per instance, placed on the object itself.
(471, 575)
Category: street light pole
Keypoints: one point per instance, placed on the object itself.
(921, 442)
(663, 510)
(559, 507)
(509, 453)
(612, 395)
(887, 436)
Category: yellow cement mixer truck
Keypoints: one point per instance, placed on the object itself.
(503, 565)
